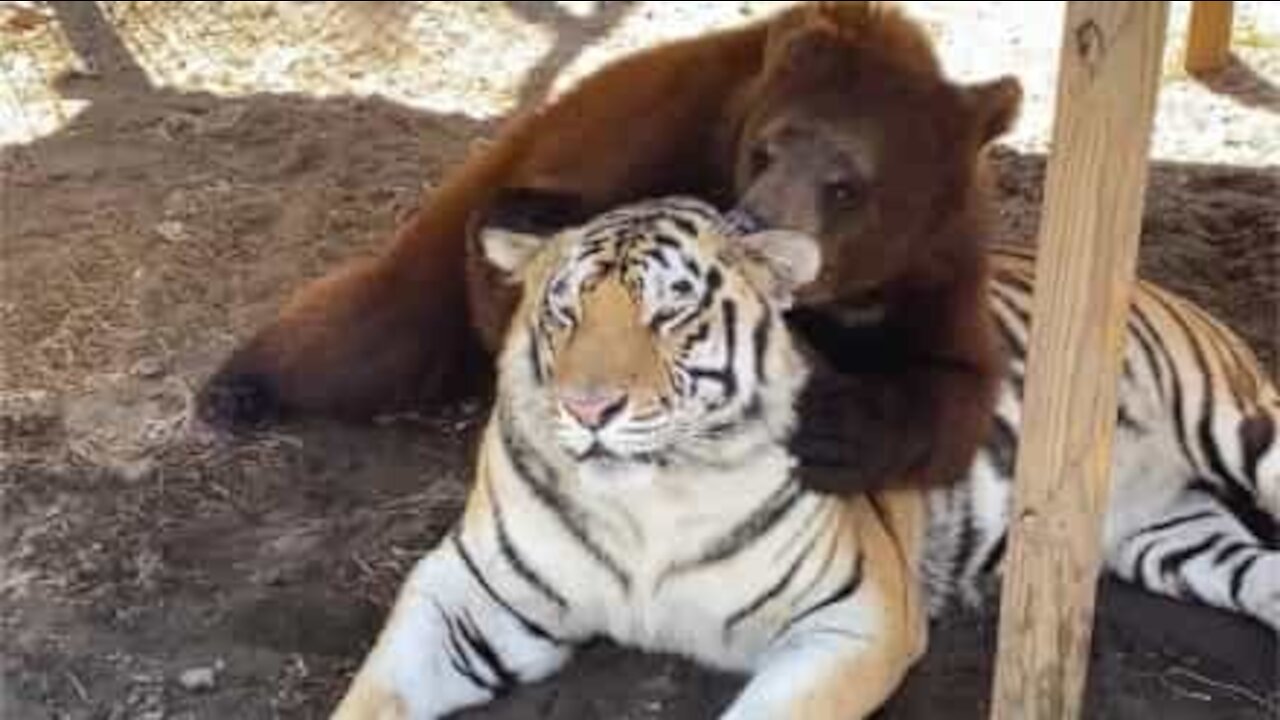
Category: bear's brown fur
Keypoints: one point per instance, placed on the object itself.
(831, 118)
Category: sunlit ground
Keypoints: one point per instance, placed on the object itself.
(483, 59)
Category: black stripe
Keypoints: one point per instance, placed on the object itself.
(1237, 368)
(1019, 382)
(760, 338)
(709, 294)
(1126, 420)
(661, 239)
(1002, 441)
(724, 375)
(773, 591)
(843, 591)
(827, 559)
(1013, 344)
(658, 256)
(1180, 418)
(1174, 522)
(505, 679)
(1237, 578)
(968, 538)
(1243, 507)
(1208, 443)
(1228, 361)
(535, 358)
(1148, 353)
(995, 555)
(751, 412)
(1017, 281)
(714, 280)
(458, 657)
(1230, 550)
(660, 318)
(691, 266)
(533, 628)
(541, 480)
(754, 526)
(730, 311)
(1016, 347)
(1012, 305)
(685, 226)
(516, 561)
(805, 527)
(1171, 564)
(1010, 252)
(697, 336)
(1257, 435)
(1139, 574)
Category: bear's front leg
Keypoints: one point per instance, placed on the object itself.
(451, 641)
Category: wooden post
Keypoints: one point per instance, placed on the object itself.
(1109, 71)
(1208, 37)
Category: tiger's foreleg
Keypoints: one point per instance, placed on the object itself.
(843, 656)
(451, 641)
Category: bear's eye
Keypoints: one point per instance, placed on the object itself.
(841, 192)
(760, 159)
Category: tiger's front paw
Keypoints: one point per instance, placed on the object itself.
(366, 700)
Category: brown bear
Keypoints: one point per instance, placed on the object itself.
(829, 118)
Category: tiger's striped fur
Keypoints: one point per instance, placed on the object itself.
(1196, 460)
(678, 527)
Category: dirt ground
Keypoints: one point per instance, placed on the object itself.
(167, 178)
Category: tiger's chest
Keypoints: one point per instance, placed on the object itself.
(673, 564)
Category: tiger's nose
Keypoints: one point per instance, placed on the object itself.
(593, 408)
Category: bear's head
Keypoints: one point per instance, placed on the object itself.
(852, 134)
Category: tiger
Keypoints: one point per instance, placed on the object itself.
(633, 481)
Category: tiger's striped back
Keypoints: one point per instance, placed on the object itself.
(1196, 460)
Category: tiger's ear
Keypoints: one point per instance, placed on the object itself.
(790, 260)
(519, 221)
(507, 250)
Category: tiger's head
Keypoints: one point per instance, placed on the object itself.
(652, 334)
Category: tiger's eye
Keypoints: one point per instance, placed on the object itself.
(682, 288)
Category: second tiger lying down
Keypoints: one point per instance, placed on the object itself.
(633, 481)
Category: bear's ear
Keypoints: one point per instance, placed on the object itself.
(790, 260)
(803, 51)
(519, 221)
(993, 107)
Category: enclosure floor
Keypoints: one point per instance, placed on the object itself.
(161, 200)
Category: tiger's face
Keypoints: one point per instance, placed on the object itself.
(653, 333)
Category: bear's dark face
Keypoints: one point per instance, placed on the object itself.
(878, 160)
